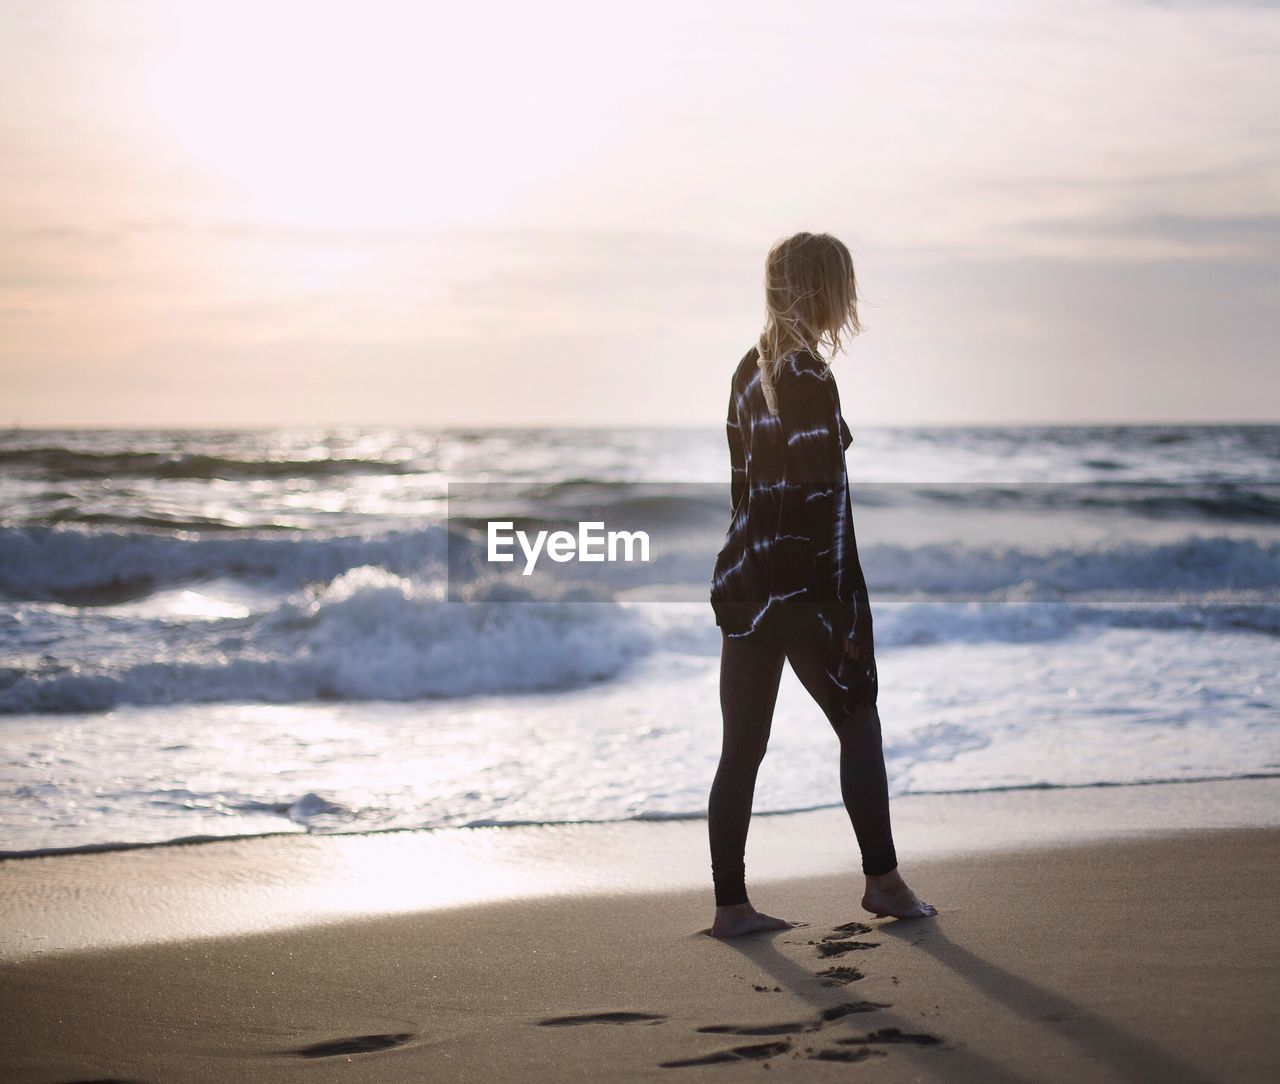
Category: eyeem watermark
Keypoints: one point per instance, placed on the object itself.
(591, 544)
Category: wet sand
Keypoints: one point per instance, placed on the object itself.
(1148, 956)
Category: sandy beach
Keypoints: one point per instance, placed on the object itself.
(446, 447)
(1149, 953)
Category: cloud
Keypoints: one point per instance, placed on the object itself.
(1209, 5)
(1142, 184)
(1253, 236)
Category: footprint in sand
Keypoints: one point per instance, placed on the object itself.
(892, 1035)
(827, 1016)
(847, 1055)
(839, 1012)
(735, 1053)
(840, 976)
(839, 948)
(841, 936)
(761, 1029)
(602, 1018)
(356, 1044)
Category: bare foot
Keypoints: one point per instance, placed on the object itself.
(888, 894)
(740, 918)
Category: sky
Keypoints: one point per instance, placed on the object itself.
(277, 213)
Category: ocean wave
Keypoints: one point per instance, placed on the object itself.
(915, 624)
(370, 635)
(91, 567)
(367, 635)
(1204, 500)
(1196, 564)
(84, 567)
(59, 462)
(1208, 500)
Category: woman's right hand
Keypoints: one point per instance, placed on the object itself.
(860, 645)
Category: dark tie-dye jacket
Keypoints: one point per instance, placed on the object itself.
(791, 533)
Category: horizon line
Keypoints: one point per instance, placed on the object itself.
(18, 427)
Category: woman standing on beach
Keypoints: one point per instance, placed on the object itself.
(787, 585)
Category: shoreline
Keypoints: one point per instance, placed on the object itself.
(236, 837)
(82, 901)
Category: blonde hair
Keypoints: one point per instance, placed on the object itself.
(810, 290)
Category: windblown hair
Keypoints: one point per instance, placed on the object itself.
(810, 290)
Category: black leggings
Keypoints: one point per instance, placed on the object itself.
(750, 670)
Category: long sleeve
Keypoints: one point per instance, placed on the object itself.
(810, 421)
(806, 408)
(817, 496)
(737, 456)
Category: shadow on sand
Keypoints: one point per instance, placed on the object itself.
(1102, 1039)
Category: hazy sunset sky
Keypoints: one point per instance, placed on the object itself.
(420, 213)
